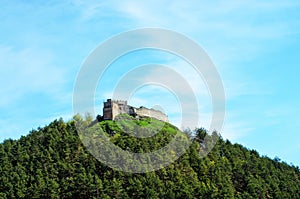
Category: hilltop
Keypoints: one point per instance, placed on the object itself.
(51, 162)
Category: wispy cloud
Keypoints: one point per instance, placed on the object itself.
(234, 34)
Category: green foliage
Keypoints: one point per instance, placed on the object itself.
(52, 162)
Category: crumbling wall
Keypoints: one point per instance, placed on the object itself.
(143, 111)
(112, 108)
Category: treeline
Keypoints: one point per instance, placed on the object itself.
(51, 162)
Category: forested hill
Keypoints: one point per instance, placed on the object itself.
(51, 162)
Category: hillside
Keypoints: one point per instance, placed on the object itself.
(51, 162)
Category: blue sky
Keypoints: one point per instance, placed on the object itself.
(255, 46)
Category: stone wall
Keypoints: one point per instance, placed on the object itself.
(112, 108)
(145, 112)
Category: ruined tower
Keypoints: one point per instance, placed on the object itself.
(112, 108)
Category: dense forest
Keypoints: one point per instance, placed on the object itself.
(51, 162)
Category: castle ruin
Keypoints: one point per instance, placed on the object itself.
(112, 108)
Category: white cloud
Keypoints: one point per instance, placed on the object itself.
(238, 29)
(236, 34)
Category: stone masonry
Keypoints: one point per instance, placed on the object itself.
(112, 108)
